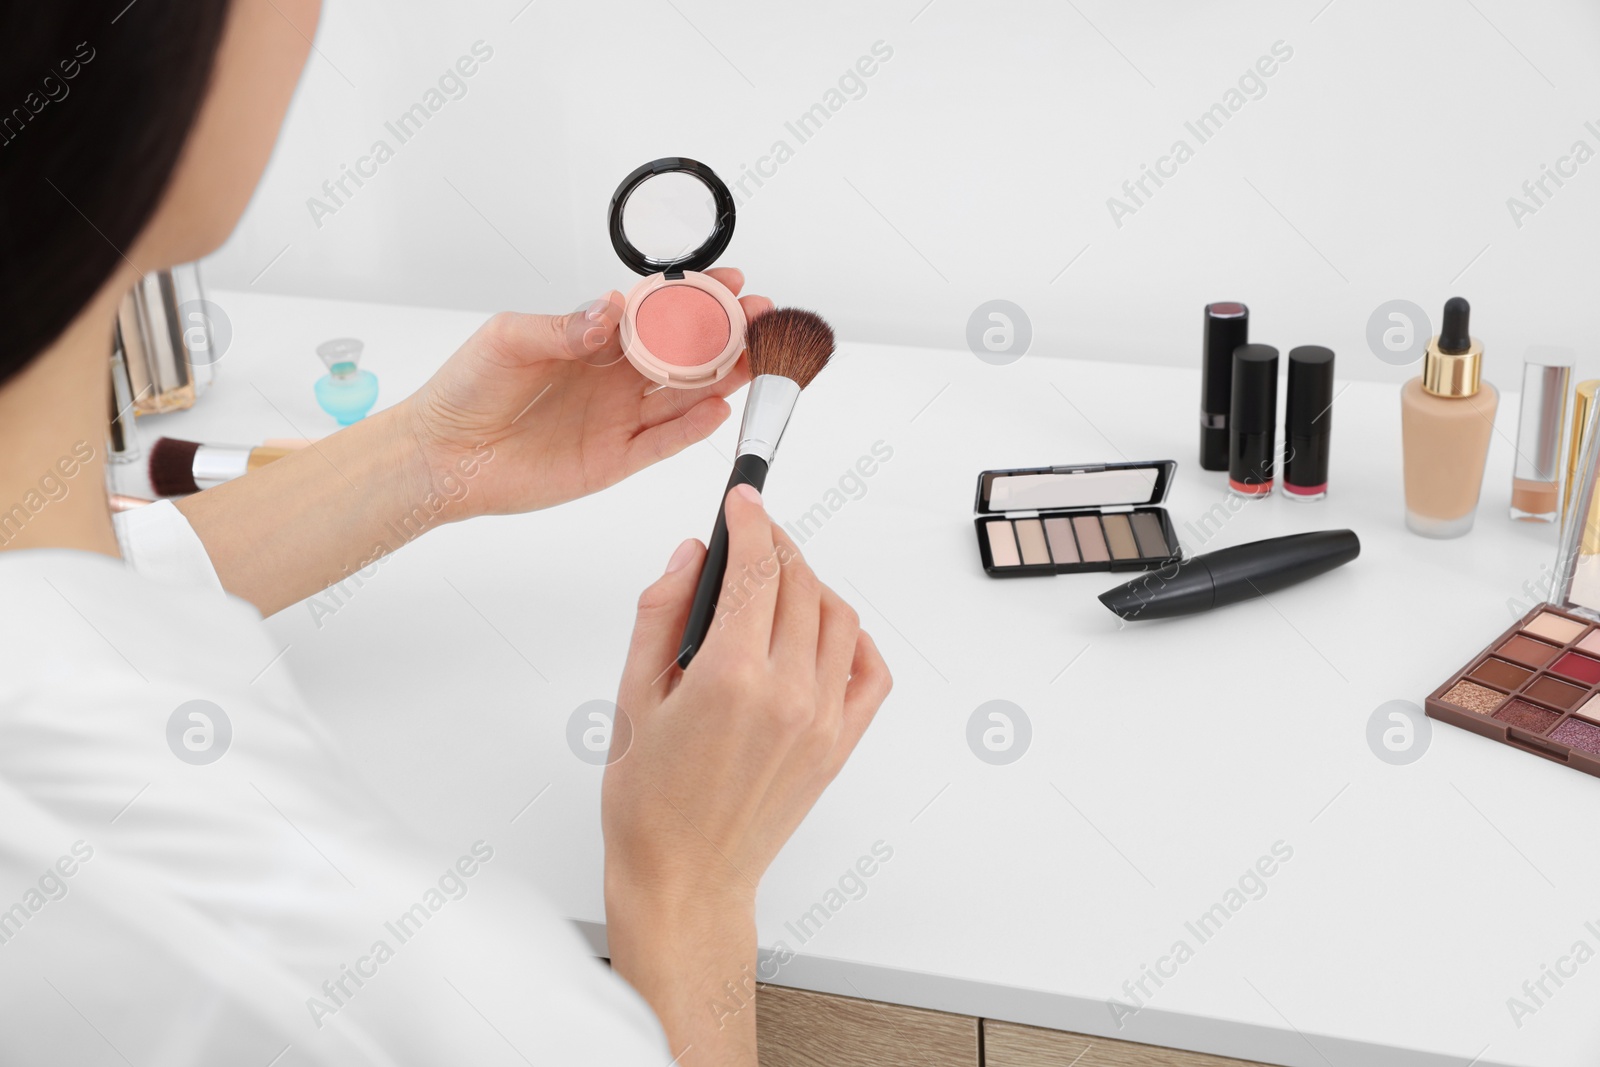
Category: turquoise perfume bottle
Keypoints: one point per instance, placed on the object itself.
(345, 392)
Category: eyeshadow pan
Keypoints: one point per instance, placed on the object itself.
(1557, 694)
(1575, 733)
(1002, 545)
(1120, 536)
(1580, 667)
(1591, 643)
(1527, 716)
(1498, 672)
(1556, 627)
(1030, 535)
(1152, 540)
(1090, 539)
(1526, 651)
(1473, 697)
(1062, 546)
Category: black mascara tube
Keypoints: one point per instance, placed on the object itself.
(1230, 575)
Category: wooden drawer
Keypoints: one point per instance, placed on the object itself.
(1013, 1045)
(795, 1028)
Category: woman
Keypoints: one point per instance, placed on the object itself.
(263, 908)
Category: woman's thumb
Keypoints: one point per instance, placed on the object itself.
(589, 334)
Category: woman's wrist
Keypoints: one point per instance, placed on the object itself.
(304, 522)
(445, 469)
(692, 957)
(671, 903)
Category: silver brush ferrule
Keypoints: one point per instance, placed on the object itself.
(215, 464)
(766, 414)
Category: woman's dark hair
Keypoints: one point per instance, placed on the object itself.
(96, 100)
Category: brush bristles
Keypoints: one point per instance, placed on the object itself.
(789, 342)
(172, 467)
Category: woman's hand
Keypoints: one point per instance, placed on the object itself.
(563, 410)
(533, 410)
(714, 767)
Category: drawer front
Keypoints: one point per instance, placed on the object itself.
(1013, 1045)
(796, 1028)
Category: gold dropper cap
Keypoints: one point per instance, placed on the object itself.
(1452, 374)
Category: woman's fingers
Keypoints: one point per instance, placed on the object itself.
(870, 682)
(754, 307)
(657, 630)
(656, 443)
(663, 405)
(836, 646)
(742, 629)
(731, 277)
(796, 615)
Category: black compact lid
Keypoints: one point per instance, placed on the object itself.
(1075, 488)
(1255, 389)
(696, 259)
(1310, 391)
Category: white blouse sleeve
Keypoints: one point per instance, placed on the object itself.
(158, 542)
(193, 874)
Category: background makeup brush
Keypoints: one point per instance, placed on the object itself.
(787, 348)
(179, 467)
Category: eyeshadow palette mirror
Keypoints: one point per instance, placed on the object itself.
(1536, 687)
(1067, 520)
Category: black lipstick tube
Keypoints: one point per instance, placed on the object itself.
(1230, 575)
(1227, 326)
(1253, 420)
(1308, 423)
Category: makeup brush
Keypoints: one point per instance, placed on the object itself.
(179, 467)
(787, 349)
(121, 502)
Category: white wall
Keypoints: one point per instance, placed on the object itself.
(977, 164)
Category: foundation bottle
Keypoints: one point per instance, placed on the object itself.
(1446, 420)
(166, 340)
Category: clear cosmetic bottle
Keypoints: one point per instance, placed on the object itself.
(1446, 420)
(1536, 468)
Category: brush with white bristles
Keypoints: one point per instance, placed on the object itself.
(787, 349)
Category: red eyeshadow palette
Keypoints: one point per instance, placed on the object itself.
(1064, 520)
(1536, 687)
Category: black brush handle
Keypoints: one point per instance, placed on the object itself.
(747, 470)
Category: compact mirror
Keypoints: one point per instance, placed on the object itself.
(1107, 488)
(671, 214)
(1056, 488)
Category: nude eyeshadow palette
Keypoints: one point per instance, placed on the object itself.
(1073, 519)
(1536, 687)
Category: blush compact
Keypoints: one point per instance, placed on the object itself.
(670, 220)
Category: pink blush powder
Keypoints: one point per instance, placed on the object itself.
(682, 325)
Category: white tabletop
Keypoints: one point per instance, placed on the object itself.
(1166, 758)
